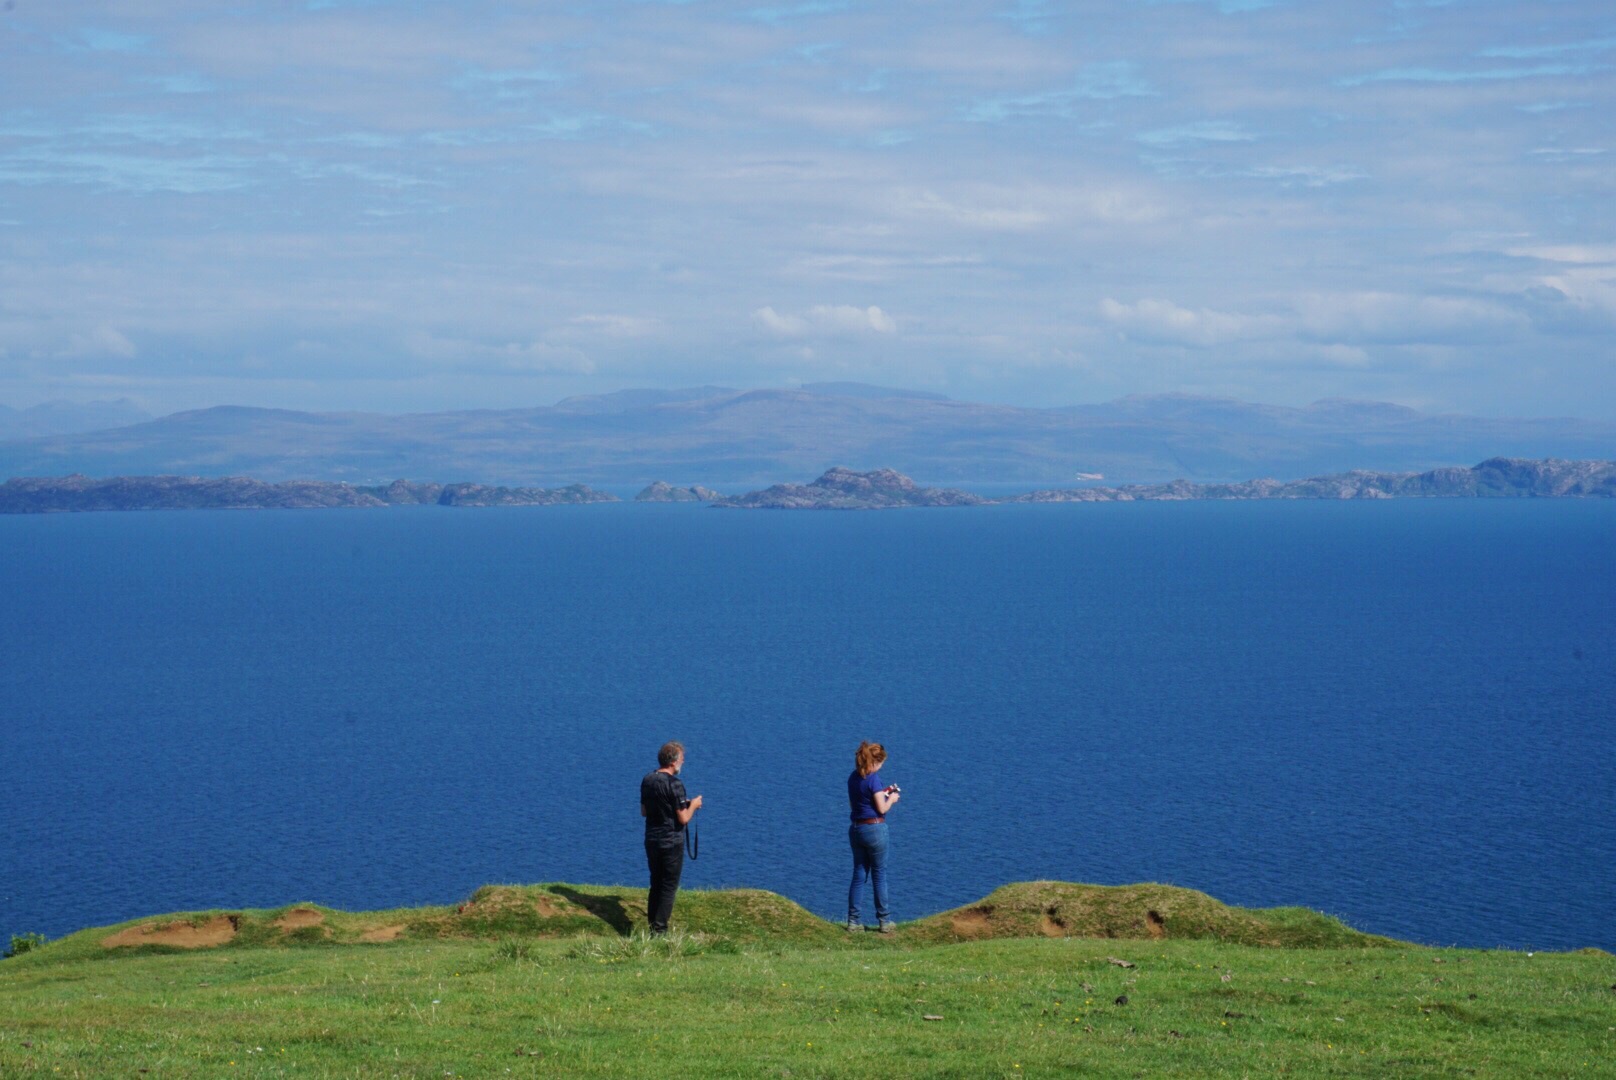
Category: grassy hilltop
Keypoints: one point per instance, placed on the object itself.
(1037, 979)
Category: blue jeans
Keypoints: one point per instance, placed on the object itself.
(869, 862)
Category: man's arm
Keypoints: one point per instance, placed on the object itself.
(690, 811)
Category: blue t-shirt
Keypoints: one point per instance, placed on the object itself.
(861, 794)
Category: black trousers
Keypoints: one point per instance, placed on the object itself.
(667, 863)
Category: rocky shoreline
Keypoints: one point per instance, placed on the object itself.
(844, 489)
(837, 489)
(74, 494)
(1493, 478)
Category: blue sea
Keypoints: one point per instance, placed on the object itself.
(1400, 713)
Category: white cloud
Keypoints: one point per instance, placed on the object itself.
(1164, 322)
(1394, 319)
(99, 343)
(827, 320)
(1312, 176)
(1204, 131)
(1028, 208)
(981, 217)
(1567, 253)
(856, 267)
(851, 320)
(1350, 320)
(617, 326)
(506, 358)
(1102, 82)
(781, 325)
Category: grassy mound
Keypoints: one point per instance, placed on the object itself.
(500, 912)
(1146, 912)
(568, 910)
(492, 912)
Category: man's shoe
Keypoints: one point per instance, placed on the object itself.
(888, 926)
(854, 926)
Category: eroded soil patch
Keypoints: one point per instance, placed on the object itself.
(180, 935)
(298, 918)
(973, 922)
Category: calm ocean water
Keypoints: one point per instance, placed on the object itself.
(1399, 713)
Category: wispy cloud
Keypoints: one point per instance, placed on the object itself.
(981, 215)
(1530, 52)
(100, 40)
(1360, 319)
(537, 357)
(791, 12)
(506, 86)
(1160, 321)
(99, 341)
(863, 267)
(1097, 82)
(1227, 7)
(128, 172)
(1032, 17)
(1554, 106)
(180, 84)
(1203, 131)
(617, 326)
(564, 128)
(1313, 176)
(1441, 75)
(825, 320)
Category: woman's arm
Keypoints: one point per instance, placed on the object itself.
(884, 801)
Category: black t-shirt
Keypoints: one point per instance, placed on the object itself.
(660, 795)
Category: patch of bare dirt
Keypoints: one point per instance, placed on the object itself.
(300, 917)
(972, 922)
(180, 935)
(1155, 925)
(382, 933)
(1051, 924)
(547, 907)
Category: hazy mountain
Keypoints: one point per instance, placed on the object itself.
(68, 418)
(712, 435)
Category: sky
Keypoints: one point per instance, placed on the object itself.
(405, 205)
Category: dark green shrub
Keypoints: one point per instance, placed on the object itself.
(21, 943)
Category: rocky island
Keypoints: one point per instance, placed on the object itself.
(837, 489)
(659, 492)
(68, 494)
(1493, 478)
(844, 489)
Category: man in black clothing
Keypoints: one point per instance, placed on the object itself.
(666, 811)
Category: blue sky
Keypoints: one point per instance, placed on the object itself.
(407, 204)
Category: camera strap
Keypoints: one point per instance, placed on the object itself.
(691, 844)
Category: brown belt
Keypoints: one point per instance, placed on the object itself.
(870, 821)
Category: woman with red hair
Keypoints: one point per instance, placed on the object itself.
(870, 799)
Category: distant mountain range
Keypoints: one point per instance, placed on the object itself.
(713, 435)
(67, 418)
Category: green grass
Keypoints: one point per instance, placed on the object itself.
(521, 984)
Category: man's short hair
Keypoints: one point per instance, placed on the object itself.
(669, 754)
